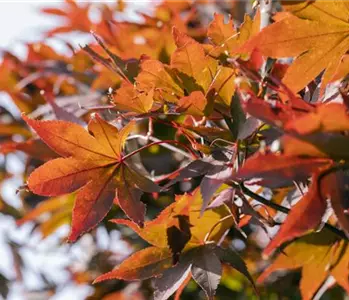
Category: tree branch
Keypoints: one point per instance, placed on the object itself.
(266, 10)
(161, 142)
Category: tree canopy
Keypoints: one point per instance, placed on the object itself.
(210, 136)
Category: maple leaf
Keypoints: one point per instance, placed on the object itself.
(319, 255)
(204, 265)
(178, 235)
(49, 205)
(126, 69)
(335, 187)
(223, 35)
(160, 70)
(181, 213)
(190, 59)
(192, 72)
(33, 147)
(76, 17)
(127, 98)
(315, 32)
(155, 74)
(223, 84)
(172, 280)
(155, 231)
(275, 113)
(199, 71)
(305, 215)
(311, 131)
(206, 271)
(331, 145)
(279, 170)
(188, 127)
(182, 220)
(318, 133)
(216, 172)
(91, 163)
(219, 173)
(332, 117)
(341, 71)
(194, 104)
(144, 264)
(226, 39)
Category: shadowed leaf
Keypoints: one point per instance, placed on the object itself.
(141, 265)
(275, 170)
(170, 281)
(335, 186)
(207, 271)
(155, 231)
(178, 236)
(231, 258)
(305, 216)
(319, 255)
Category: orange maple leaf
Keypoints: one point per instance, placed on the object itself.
(201, 255)
(315, 32)
(92, 163)
(319, 255)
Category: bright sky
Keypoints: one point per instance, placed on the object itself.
(20, 21)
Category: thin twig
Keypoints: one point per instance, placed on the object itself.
(215, 226)
(263, 200)
(162, 142)
(298, 188)
(285, 210)
(165, 145)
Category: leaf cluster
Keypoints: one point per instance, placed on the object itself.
(196, 134)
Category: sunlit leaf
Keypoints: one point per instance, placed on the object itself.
(305, 215)
(93, 156)
(315, 33)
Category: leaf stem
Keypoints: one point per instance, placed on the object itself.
(159, 143)
(285, 210)
(215, 226)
